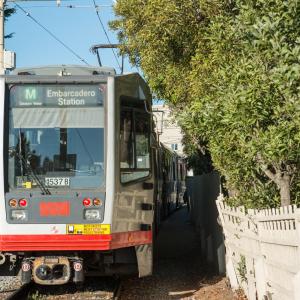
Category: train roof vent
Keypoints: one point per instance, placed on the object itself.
(65, 70)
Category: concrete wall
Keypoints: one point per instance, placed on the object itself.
(202, 193)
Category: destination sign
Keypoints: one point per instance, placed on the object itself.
(56, 95)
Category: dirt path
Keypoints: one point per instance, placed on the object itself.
(179, 272)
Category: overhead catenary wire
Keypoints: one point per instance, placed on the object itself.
(107, 37)
(57, 1)
(67, 6)
(51, 34)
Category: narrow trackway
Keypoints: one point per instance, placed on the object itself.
(178, 271)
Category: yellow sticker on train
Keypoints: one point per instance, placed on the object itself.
(88, 229)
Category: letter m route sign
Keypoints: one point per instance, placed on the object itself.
(30, 94)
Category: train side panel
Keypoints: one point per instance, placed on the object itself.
(134, 197)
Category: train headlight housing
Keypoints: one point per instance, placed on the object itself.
(13, 202)
(92, 214)
(97, 202)
(23, 202)
(19, 215)
(87, 202)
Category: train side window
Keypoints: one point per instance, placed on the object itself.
(134, 145)
(127, 140)
(142, 141)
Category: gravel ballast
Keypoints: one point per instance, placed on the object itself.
(9, 283)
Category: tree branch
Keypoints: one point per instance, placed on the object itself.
(264, 167)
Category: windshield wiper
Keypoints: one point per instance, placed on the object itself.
(29, 170)
(26, 164)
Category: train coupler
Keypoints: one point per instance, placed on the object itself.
(51, 270)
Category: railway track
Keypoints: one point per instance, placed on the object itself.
(21, 293)
(117, 291)
(94, 288)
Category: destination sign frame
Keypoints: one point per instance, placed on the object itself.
(57, 95)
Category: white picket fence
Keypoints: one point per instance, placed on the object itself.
(262, 250)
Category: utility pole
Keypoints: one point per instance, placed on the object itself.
(2, 69)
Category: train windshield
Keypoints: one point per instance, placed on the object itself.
(56, 136)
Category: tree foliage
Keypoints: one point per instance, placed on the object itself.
(7, 13)
(231, 71)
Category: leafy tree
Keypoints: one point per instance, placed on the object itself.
(231, 70)
(7, 13)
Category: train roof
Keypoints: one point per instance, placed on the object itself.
(64, 70)
(70, 74)
(64, 74)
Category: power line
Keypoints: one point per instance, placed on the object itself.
(107, 37)
(67, 6)
(14, 1)
(50, 33)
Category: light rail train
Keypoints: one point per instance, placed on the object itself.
(84, 180)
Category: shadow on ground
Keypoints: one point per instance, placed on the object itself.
(179, 272)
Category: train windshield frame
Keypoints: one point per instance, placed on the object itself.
(56, 136)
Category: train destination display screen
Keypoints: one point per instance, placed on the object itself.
(56, 95)
(56, 132)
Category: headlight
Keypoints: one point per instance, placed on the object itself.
(92, 214)
(97, 202)
(19, 215)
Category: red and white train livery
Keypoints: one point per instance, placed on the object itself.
(79, 186)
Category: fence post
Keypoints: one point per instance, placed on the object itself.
(259, 269)
(250, 279)
(230, 270)
(259, 261)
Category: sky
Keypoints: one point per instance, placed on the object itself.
(79, 28)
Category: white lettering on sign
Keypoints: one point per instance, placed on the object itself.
(72, 101)
(72, 97)
(30, 94)
(30, 103)
(66, 94)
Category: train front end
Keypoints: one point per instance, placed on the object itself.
(53, 211)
